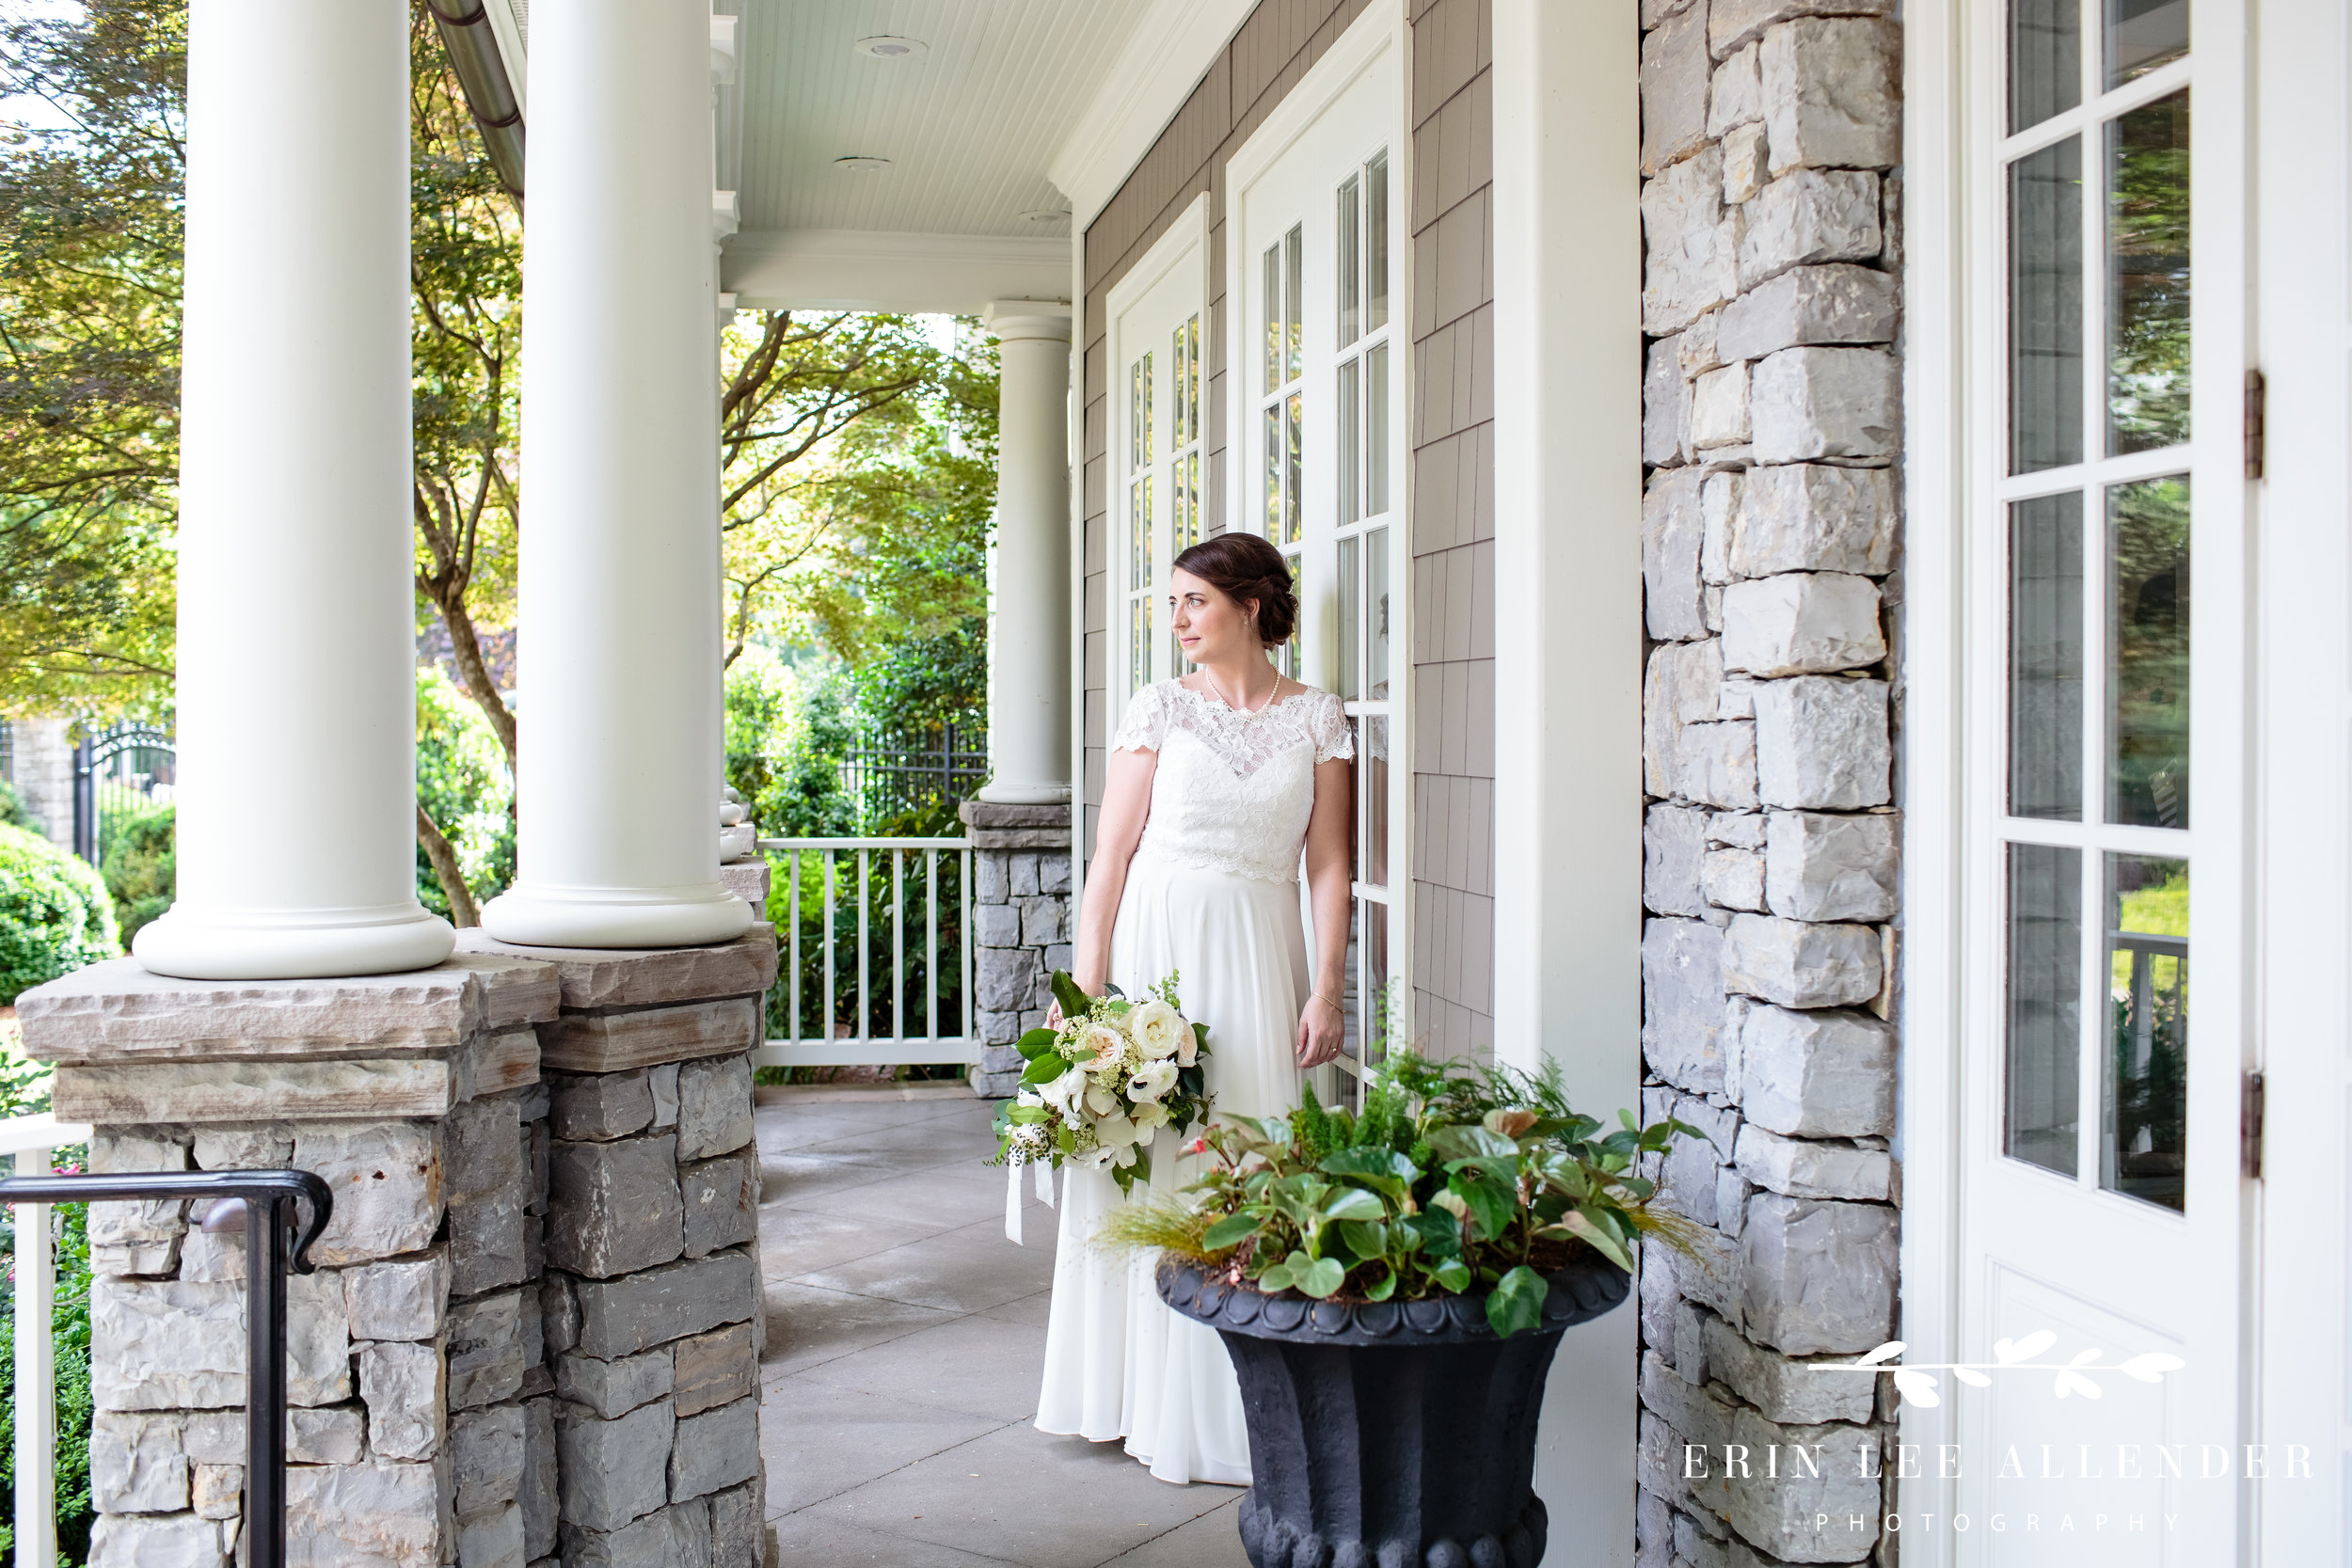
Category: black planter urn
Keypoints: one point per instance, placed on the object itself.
(1390, 1435)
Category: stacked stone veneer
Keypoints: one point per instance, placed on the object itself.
(1771, 424)
(534, 1333)
(1022, 924)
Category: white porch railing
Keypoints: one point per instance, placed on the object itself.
(857, 910)
(34, 1140)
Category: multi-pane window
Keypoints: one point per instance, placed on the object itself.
(1282, 403)
(1166, 504)
(2097, 534)
(1185, 499)
(1362, 522)
(1142, 531)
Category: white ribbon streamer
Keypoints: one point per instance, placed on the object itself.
(1045, 1183)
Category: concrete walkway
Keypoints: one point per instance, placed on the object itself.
(905, 1341)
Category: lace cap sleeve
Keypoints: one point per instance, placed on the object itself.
(1144, 726)
(1328, 725)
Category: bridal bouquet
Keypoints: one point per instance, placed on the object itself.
(1102, 1082)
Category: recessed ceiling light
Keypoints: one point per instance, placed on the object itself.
(1043, 215)
(858, 164)
(890, 47)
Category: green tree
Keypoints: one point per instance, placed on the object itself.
(860, 474)
(90, 354)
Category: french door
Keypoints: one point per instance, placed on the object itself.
(2099, 1179)
(1315, 262)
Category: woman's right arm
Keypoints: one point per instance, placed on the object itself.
(1126, 802)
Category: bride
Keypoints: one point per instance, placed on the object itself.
(1216, 781)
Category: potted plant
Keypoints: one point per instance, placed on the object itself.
(1392, 1287)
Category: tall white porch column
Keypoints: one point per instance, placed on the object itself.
(296, 652)
(618, 654)
(1028, 624)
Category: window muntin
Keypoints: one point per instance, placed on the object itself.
(2097, 652)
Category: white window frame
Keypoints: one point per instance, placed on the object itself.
(1371, 53)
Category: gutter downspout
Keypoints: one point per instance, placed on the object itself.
(498, 112)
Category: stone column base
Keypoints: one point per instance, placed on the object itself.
(535, 1328)
(1023, 924)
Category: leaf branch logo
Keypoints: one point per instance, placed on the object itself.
(2079, 1375)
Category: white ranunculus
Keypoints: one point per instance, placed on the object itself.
(1148, 1115)
(1152, 1080)
(1101, 1101)
(1158, 1028)
(1107, 1045)
(1115, 1131)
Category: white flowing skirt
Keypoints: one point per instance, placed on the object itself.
(1117, 1362)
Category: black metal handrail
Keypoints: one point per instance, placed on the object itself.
(267, 1196)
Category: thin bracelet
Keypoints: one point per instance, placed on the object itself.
(1329, 1001)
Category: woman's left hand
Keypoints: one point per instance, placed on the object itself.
(1320, 1028)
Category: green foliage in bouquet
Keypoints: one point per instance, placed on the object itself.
(1097, 1087)
(1453, 1178)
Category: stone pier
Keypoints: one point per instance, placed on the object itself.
(533, 1333)
(1023, 920)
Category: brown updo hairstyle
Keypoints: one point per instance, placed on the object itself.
(1246, 569)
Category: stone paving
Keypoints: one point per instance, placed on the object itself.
(905, 1341)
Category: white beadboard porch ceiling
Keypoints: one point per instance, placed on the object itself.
(969, 126)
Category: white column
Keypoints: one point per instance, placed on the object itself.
(296, 652)
(1028, 622)
(617, 657)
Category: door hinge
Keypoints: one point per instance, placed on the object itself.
(2249, 1125)
(2257, 397)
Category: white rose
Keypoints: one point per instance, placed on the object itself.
(1188, 1048)
(1158, 1028)
(1152, 1080)
(1064, 1093)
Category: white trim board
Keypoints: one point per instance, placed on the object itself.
(1163, 61)
(1932, 1019)
(846, 269)
(1568, 251)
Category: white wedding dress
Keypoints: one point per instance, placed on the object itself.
(1211, 896)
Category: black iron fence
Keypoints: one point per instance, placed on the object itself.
(891, 774)
(121, 769)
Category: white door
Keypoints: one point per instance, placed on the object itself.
(2099, 1167)
(1316, 284)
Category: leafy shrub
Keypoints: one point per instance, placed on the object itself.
(24, 1091)
(1454, 1177)
(464, 785)
(140, 865)
(786, 735)
(12, 812)
(56, 916)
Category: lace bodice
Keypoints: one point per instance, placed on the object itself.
(1232, 790)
